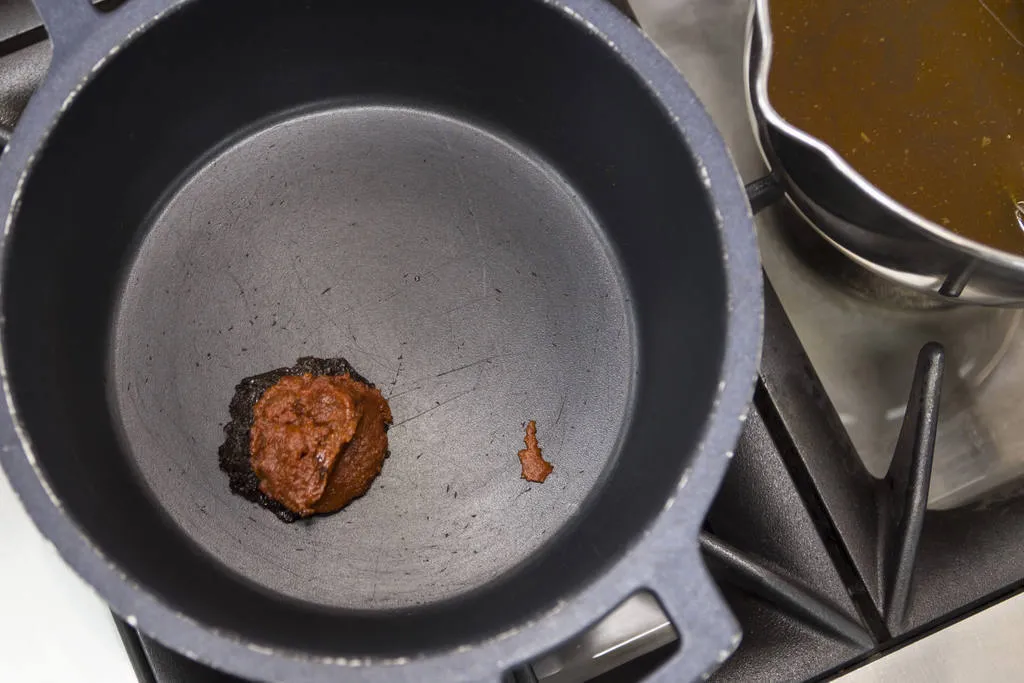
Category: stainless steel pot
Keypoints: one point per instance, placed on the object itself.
(874, 230)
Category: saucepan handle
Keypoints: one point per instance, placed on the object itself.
(678, 602)
(707, 631)
(68, 22)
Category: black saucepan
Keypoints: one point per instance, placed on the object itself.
(497, 211)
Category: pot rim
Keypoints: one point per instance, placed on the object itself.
(762, 108)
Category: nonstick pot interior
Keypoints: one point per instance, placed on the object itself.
(461, 275)
(478, 204)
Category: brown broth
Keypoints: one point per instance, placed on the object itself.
(925, 99)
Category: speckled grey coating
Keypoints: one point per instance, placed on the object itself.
(468, 333)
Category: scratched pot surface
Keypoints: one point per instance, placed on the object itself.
(455, 270)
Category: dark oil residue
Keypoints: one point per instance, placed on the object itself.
(925, 99)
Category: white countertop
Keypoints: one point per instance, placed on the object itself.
(53, 628)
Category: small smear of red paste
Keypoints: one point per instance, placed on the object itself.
(535, 467)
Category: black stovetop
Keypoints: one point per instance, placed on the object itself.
(823, 565)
